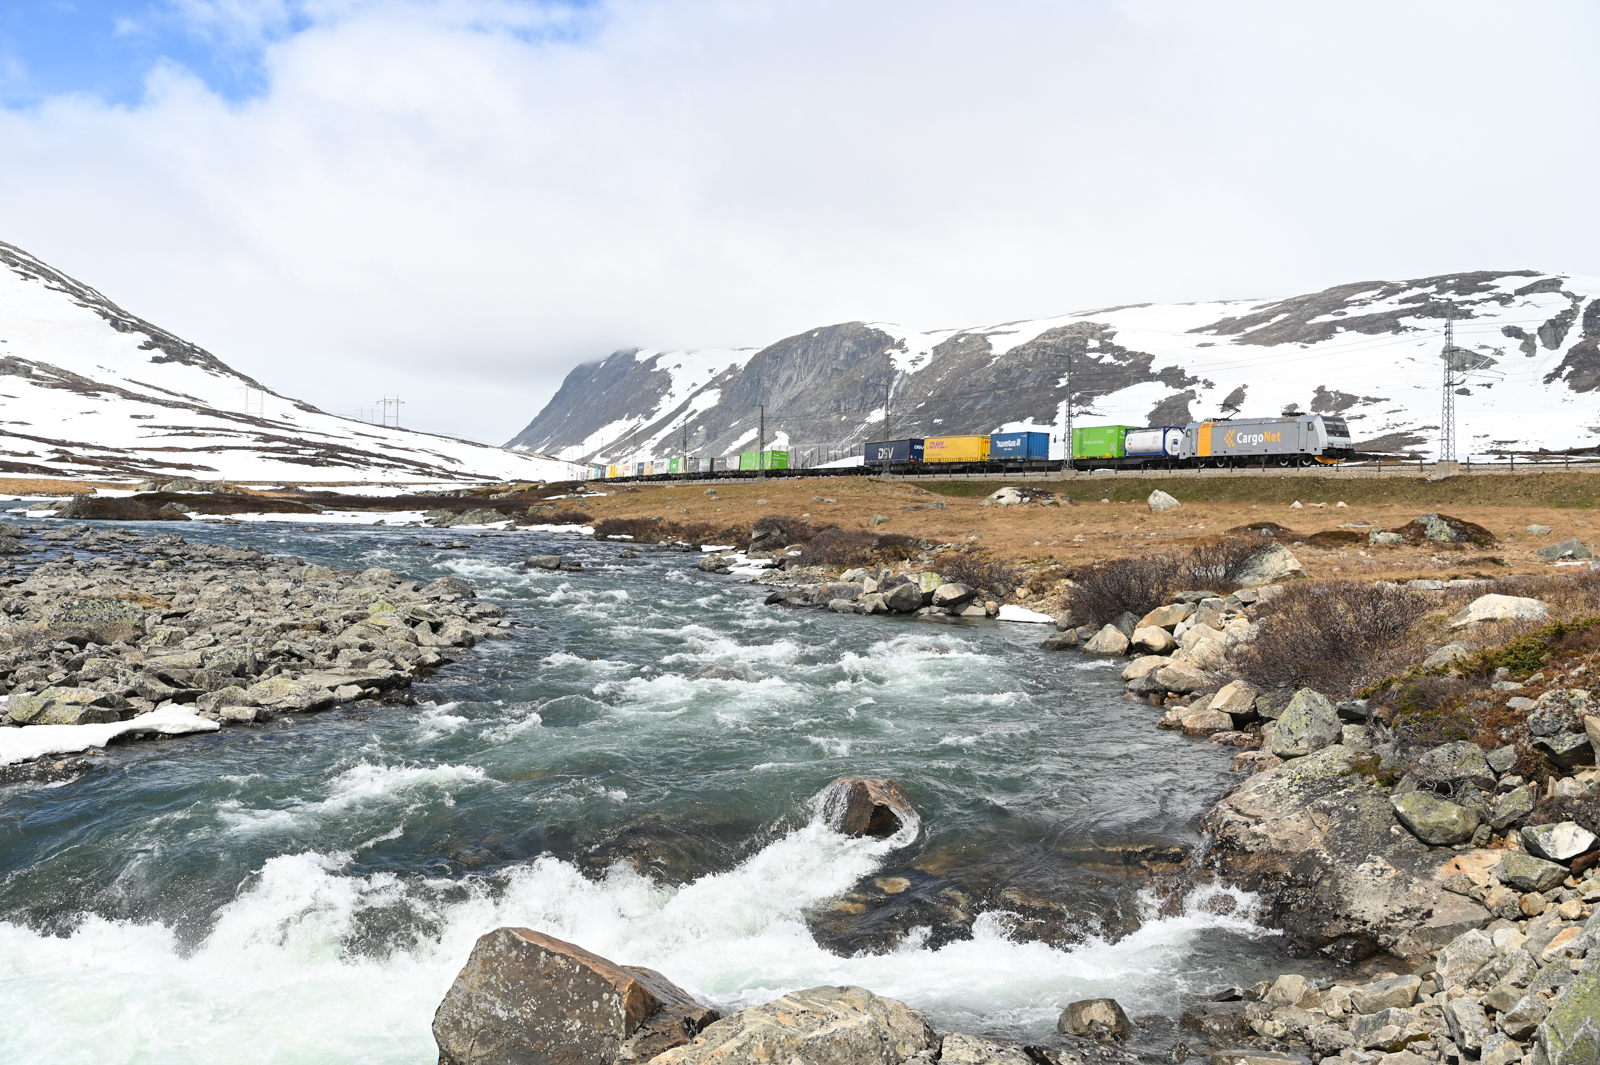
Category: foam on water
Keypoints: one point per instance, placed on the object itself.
(283, 975)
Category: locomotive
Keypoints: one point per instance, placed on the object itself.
(1222, 443)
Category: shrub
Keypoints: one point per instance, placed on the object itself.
(561, 517)
(1335, 538)
(1527, 653)
(976, 571)
(1104, 590)
(1334, 636)
(781, 531)
(651, 529)
(856, 547)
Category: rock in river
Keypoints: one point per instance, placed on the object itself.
(528, 997)
(867, 806)
(1095, 1018)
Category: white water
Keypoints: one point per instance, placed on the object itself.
(275, 980)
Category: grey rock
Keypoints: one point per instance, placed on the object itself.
(1469, 1026)
(1501, 759)
(1565, 549)
(1523, 1019)
(1379, 536)
(1569, 750)
(1108, 641)
(1276, 563)
(1447, 655)
(1463, 957)
(1307, 725)
(543, 562)
(1512, 806)
(903, 598)
(1435, 821)
(1159, 501)
(1496, 607)
(1570, 1034)
(953, 596)
(959, 1048)
(1397, 992)
(1452, 765)
(1559, 842)
(1538, 530)
(843, 1025)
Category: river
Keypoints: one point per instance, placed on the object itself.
(306, 891)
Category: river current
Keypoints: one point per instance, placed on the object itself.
(306, 891)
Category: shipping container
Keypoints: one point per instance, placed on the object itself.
(1099, 441)
(611, 470)
(955, 449)
(765, 460)
(675, 465)
(1017, 446)
(1155, 442)
(876, 451)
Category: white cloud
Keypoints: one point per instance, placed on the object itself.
(460, 200)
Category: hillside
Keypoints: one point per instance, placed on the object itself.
(1368, 350)
(89, 390)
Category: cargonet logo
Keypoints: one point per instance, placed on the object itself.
(1235, 438)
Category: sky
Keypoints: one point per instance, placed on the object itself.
(457, 201)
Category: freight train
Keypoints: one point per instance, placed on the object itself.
(1223, 443)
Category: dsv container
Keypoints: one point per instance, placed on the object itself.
(955, 449)
(876, 451)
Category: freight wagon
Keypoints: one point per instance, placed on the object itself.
(763, 460)
(955, 449)
(880, 451)
(1019, 447)
(1292, 440)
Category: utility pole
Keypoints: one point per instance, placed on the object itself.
(761, 445)
(384, 404)
(1447, 412)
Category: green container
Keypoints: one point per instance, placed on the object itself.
(674, 465)
(765, 460)
(1099, 441)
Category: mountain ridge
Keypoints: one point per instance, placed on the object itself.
(1368, 350)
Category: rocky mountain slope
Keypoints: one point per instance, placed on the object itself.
(1369, 351)
(89, 390)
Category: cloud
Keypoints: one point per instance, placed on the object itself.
(460, 200)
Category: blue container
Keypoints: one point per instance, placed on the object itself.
(877, 451)
(1016, 446)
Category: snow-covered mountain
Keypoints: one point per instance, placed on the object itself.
(1369, 351)
(88, 390)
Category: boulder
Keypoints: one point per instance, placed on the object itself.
(903, 598)
(1454, 764)
(1538, 530)
(1448, 655)
(1276, 563)
(1143, 665)
(1565, 549)
(1125, 623)
(953, 596)
(1570, 1034)
(1166, 617)
(1236, 699)
(842, 1025)
(1379, 536)
(103, 620)
(1514, 805)
(64, 706)
(527, 997)
(446, 586)
(1433, 820)
(1182, 678)
(1153, 640)
(1557, 843)
(1307, 725)
(1469, 1025)
(1527, 873)
(1160, 501)
(1496, 607)
(543, 562)
(1397, 992)
(1005, 497)
(867, 806)
(1205, 655)
(1095, 1018)
(1108, 641)
(1207, 723)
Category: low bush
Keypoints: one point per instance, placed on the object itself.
(1104, 590)
(1528, 653)
(1335, 538)
(558, 517)
(1335, 636)
(974, 570)
(777, 530)
(651, 529)
(856, 547)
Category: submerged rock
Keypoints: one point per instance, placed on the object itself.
(527, 997)
(1095, 1018)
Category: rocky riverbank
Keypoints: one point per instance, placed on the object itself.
(141, 635)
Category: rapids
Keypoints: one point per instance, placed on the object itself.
(306, 891)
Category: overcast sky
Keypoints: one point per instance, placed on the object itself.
(459, 200)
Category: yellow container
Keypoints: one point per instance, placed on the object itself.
(955, 449)
(611, 470)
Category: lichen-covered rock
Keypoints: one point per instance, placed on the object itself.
(843, 1025)
(1496, 607)
(1433, 820)
(1527, 873)
(1463, 957)
(1454, 764)
(1570, 1034)
(1276, 563)
(103, 620)
(525, 997)
(1307, 725)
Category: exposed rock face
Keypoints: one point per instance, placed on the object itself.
(1314, 837)
(833, 1025)
(525, 997)
(867, 806)
(1570, 1034)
